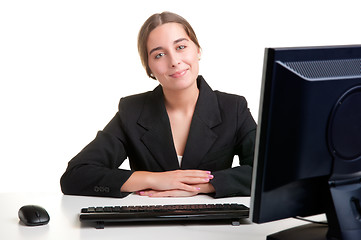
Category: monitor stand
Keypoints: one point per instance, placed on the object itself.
(312, 231)
(343, 216)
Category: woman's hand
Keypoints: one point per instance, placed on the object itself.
(203, 188)
(168, 193)
(186, 180)
(177, 182)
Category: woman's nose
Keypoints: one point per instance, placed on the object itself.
(174, 60)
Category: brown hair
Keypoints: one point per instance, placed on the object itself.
(150, 24)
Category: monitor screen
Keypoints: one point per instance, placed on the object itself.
(308, 146)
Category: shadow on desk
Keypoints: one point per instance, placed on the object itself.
(165, 224)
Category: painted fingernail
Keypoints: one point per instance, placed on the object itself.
(210, 176)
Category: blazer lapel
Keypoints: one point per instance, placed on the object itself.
(158, 139)
(201, 136)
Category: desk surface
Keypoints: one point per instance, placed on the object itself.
(64, 220)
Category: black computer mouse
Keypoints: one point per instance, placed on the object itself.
(33, 215)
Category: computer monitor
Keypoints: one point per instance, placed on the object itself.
(308, 145)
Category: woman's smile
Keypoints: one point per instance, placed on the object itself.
(179, 74)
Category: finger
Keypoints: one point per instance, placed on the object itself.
(155, 193)
(189, 188)
(193, 177)
(196, 180)
(173, 193)
(194, 173)
(146, 192)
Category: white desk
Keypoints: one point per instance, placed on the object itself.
(64, 223)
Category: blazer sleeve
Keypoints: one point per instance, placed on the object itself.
(95, 170)
(237, 181)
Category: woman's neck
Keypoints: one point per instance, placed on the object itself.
(181, 100)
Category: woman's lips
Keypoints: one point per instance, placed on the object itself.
(179, 73)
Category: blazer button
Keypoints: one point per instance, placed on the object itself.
(101, 189)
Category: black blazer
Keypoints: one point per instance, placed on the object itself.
(221, 128)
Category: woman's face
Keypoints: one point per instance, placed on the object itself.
(173, 57)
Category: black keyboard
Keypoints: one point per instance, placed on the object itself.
(158, 213)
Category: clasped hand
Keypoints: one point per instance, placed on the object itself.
(177, 183)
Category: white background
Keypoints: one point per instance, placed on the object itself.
(65, 64)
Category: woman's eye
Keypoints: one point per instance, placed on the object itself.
(181, 47)
(159, 55)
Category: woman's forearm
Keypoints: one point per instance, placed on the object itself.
(139, 180)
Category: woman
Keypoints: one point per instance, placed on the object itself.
(180, 138)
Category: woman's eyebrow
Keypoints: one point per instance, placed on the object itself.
(155, 49)
(175, 42)
(180, 40)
